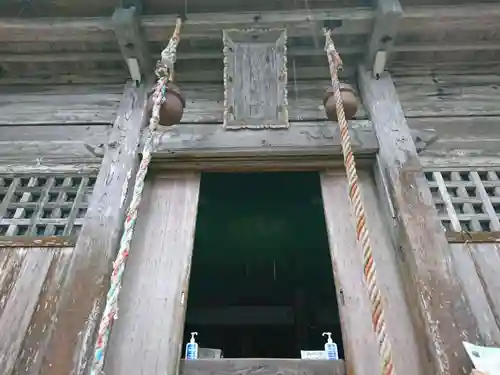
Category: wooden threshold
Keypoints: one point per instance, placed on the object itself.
(473, 237)
(262, 366)
(37, 241)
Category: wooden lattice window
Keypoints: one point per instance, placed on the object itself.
(466, 200)
(44, 205)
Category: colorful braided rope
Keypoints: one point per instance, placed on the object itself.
(164, 71)
(362, 232)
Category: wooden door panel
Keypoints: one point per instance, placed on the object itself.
(360, 344)
(147, 337)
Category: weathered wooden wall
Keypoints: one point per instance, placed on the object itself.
(61, 124)
(463, 114)
(462, 110)
(30, 286)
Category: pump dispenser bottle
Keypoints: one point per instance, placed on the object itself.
(192, 347)
(330, 347)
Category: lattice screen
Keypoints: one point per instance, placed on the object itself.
(44, 205)
(467, 200)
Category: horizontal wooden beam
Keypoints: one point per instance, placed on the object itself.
(38, 241)
(212, 147)
(263, 366)
(201, 25)
(209, 25)
(473, 237)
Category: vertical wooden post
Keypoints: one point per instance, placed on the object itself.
(147, 337)
(360, 346)
(82, 300)
(436, 297)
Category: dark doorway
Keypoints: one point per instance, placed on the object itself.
(261, 282)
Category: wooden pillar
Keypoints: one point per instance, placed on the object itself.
(441, 313)
(147, 337)
(70, 347)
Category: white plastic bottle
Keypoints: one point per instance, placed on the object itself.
(330, 347)
(192, 347)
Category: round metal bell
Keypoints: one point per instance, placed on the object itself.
(172, 108)
(349, 99)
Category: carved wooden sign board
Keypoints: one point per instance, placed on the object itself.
(255, 79)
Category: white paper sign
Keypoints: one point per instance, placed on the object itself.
(484, 359)
(313, 354)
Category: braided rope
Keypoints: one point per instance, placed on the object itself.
(164, 72)
(362, 232)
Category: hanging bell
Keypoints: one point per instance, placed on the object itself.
(349, 99)
(172, 108)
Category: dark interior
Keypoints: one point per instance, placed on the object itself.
(261, 281)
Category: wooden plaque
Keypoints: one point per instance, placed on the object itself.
(255, 78)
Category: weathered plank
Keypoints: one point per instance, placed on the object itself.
(459, 133)
(255, 79)
(157, 279)
(449, 95)
(133, 46)
(206, 25)
(435, 295)
(263, 366)
(21, 302)
(20, 143)
(360, 341)
(29, 360)
(77, 104)
(476, 288)
(305, 138)
(71, 341)
(487, 261)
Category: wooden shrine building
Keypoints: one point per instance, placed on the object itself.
(245, 232)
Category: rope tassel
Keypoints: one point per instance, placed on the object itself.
(362, 232)
(164, 72)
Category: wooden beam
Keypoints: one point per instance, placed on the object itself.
(263, 366)
(158, 28)
(304, 141)
(387, 17)
(133, 45)
(355, 21)
(87, 279)
(436, 297)
(156, 281)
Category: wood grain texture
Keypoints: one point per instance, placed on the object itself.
(130, 37)
(387, 16)
(156, 281)
(449, 95)
(255, 79)
(91, 104)
(476, 287)
(23, 273)
(31, 353)
(87, 280)
(63, 104)
(359, 338)
(477, 134)
(262, 366)
(306, 138)
(433, 289)
(63, 143)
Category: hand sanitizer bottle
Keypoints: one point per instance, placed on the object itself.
(330, 347)
(192, 347)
